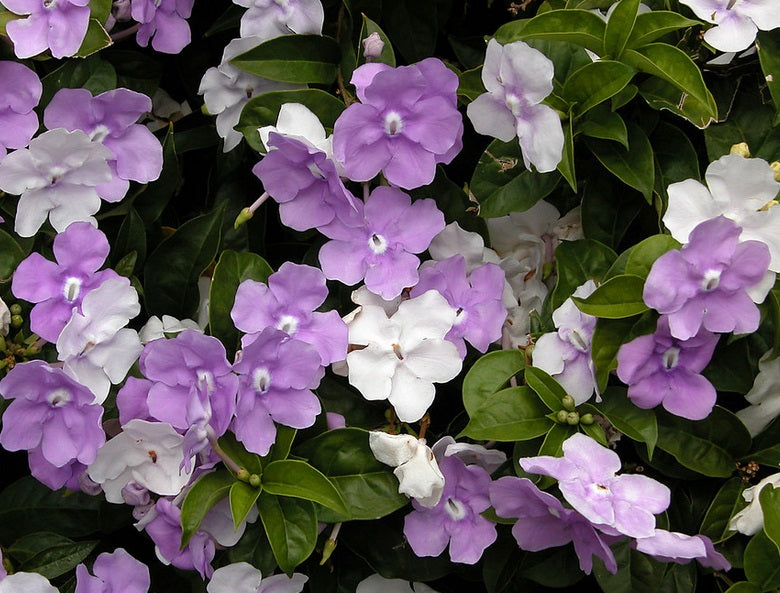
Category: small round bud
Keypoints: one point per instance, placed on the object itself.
(568, 403)
(16, 321)
(775, 169)
(372, 47)
(254, 481)
(587, 419)
(16, 309)
(741, 149)
(572, 418)
(561, 416)
(242, 475)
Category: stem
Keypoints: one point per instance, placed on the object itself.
(258, 202)
(232, 465)
(345, 94)
(425, 422)
(366, 191)
(125, 32)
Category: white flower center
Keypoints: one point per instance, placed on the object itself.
(460, 316)
(455, 509)
(393, 123)
(99, 133)
(710, 281)
(56, 172)
(59, 397)
(49, 4)
(600, 490)
(513, 103)
(288, 324)
(577, 340)
(671, 358)
(261, 379)
(206, 379)
(315, 171)
(71, 289)
(377, 244)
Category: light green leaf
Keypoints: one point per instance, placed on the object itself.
(242, 498)
(618, 297)
(488, 375)
(768, 45)
(293, 58)
(470, 84)
(652, 25)
(548, 389)
(238, 453)
(661, 94)
(619, 27)
(634, 167)
(596, 82)
(298, 479)
(200, 498)
(762, 562)
(769, 497)
(644, 254)
(291, 527)
(596, 432)
(566, 166)
(96, 39)
(512, 414)
(578, 26)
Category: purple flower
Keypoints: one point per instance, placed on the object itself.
(623, 504)
(305, 183)
(380, 250)
(660, 369)
(277, 375)
(59, 287)
(476, 297)
(117, 572)
(543, 522)
(288, 303)
(20, 93)
(407, 123)
(166, 20)
(181, 367)
(59, 25)
(110, 118)
(670, 546)
(456, 519)
(51, 411)
(711, 282)
(69, 475)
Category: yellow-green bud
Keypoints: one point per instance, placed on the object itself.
(775, 169)
(587, 419)
(254, 481)
(16, 321)
(741, 149)
(242, 475)
(572, 418)
(561, 416)
(15, 309)
(327, 550)
(3, 346)
(568, 403)
(245, 215)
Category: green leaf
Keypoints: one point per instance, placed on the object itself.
(242, 498)
(673, 65)
(11, 253)
(501, 184)
(172, 272)
(93, 74)
(280, 450)
(578, 262)
(293, 58)
(58, 559)
(608, 209)
(636, 423)
(96, 39)
(368, 487)
(200, 498)
(291, 527)
(676, 158)
(255, 549)
(99, 10)
(766, 446)
(263, 110)
(582, 27)
(596, 432)
(548, 389)
(624, 97)
(619, 27)
(512, 414)
(470, 84)
(633, 167)
(596, 82)
(488, 375)
(412, 26)
(238, 453)
(644, 254)
(618, 297)
(769, 497)
(638, 573)
(762, 562)
(388, 55)
(298, 479)
(232, 269)
(151, 202)
(27, 546)
(708, 446)
(130, 239)
(566, 166)
(610, 335)
(654, 24)
(727, 502)
(603, 123)
(661, 94)
(743, 587)
(768, 45)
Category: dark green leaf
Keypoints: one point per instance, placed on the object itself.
(131, 238)
(633, 167)
(596, 82)
(566, 166)
(412, 27)
(743, 587)
(470, 84)
(547, 388)
(768, 45)
(578, 262)
(291, 527)
(488, 375)
(620, 26)
(762, 562)
(27, 546)
(512, 414)
(603, 123)
(557, 568)
(636, 573)
(643, 254)
(675, 157)
(172, 272)
(610, 335)
(769, 497)
(582, 27)
(636, 423)
(93, 74)
(388, 55)
(293, 58)
(596, 432)
(618, 297)
(726, 503)
(99, 10)
(135, 70)
(661, 94)
(238, 453)
(654, 24)
(200, 498)
(59, 559)
(11, 253)
(298, 479)
(242, 498)
(253, 548)
(607, 212)
(280, 450)
(96, 39)
(155, 197)
(624, 97)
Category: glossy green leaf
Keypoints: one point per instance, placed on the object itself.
(291, 527)
(11, 253)
(255, 549)
(610, 335)
(151, 202)
(596, 432)
(676, 158)
(242, 498)
(769, 497)
(172, 272)
(200, 498)
(636, 423)
(727, 502)
(553, 445)
(620, 26)
(624, 97)
(603, 123)
(501, 184)
(99, 10)
(285, 435)
(661, 94)
(743, 587)
(654, 24)
(232, 269)
(578, 26)
(293, 58)
(470, 84)
(388, 55)
(93, 73)
(637, 573)
(96, 39)
(263, 110)
(578, 262)
(596, 82)
(634, 167)
(512, 414)
(368, 487)
(566, 166)
(762, 562)
(298, 479)
(489, 374)
(768, 45)
(618, 297)
(58, 559)
(27, 546)
(644, 254)
(238, 453)
(548, 389)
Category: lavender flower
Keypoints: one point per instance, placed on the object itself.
(19, 95)
(670, 546)
(381, 249)
(456, 519)
(266, 19)
(736, 23)
(80, 250)
(710, 281)
(165, 20)
(117, 572)
(59, 25)
(586, 475)
(660, 369)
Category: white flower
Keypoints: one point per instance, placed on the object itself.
(157, 328)
(96, 351)
(405, 354)
(26, 582)
(298, 122)
(741, 190)
(218, 523)
(764, 397)
(267, 19)
(415, 465)
(5, 318)
(518, 78)
(736, 21)
(148, 453)
(750, 520)
(242, 577)
(379, 584)
(56, 178)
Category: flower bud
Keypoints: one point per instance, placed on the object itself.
(587, 419)
(243, 216)
(775, 169)
(254, 481)
(327, 550)
(568, 403)
(741, 149)
(16, 309)
(372, 47)
(242, 475)
(561, 416)
(572, 418)
(16, 321)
